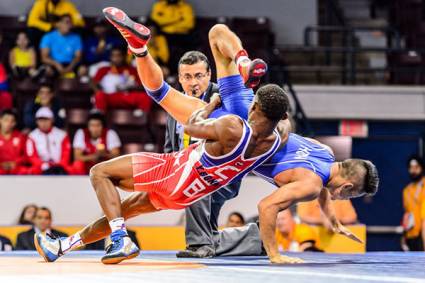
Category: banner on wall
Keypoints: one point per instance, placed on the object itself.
(354, 128)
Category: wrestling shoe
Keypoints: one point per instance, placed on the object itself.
(48, 246)
(252, 71)
(136, 35)
(120, 249)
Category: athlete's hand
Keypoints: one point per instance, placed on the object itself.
(216, 100)
(341, 229)
(281, 259)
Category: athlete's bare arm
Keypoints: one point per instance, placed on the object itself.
(224, 129)
(327, 208)
(279, 200)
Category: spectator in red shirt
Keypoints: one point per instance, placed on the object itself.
(48, 147)
(118, 86)
(12, 146)
(95, 143)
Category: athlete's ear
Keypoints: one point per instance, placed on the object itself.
(347, 186)
(285, 116)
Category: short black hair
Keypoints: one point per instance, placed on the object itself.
(363, 173)
(61, 17)
(120, 49)
(46, 84)
(193, 57)
(9, 112)
(239, 215)
(417, 158)
(97, 116)
(43, 208)
(273, 101)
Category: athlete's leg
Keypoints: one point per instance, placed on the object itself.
(232, 59)
(227, 49)
(104, 177)
(136, 204)
(224, 46)
(178, 105)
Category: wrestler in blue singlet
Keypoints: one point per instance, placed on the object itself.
(298, 152)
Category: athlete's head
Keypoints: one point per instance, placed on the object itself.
(194, 73)
(355, 178)
(8, 120)
(270, 101)
(96, 124)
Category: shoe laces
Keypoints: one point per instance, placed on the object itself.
(115, 241)
(54, 237)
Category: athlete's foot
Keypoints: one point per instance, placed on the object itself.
(136, 35)
(121, 248)
(48, 246)
(252, 71)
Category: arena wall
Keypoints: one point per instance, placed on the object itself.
(73, 201)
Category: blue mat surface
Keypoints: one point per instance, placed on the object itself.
(162, 267)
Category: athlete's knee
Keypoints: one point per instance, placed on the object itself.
(217, 31)
(97, 172)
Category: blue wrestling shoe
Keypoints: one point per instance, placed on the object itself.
(48, 246)
(120, 249)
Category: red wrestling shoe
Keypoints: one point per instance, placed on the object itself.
(250, 70)
(136, 35)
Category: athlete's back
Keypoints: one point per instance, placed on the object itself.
(298, 152)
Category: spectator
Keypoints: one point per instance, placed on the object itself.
(235, 219)
(176, 21)
(12, 146)
(414, 206)
(23, 58)
(95, 143)
(98, 47)
(310, 213)
(5, 244)
(48, 147)
(174, 17)
(5, 96)
(44, 13)
(42, 224)
(44, 98)
(28, 215)
(61, 50)
(115, 86)
(294, 237)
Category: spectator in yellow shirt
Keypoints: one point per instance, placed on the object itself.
(173, 16)
(294, 237)
(414, 206)
(44, 13)
(22, 57)
(176, 20)
(310, 213)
